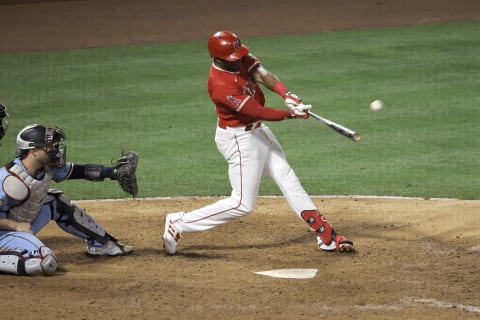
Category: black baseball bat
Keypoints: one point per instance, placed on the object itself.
(355, 136)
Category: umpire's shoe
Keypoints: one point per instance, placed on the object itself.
(171, 236)
(111, 248)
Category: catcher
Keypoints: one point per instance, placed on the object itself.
(27, 204)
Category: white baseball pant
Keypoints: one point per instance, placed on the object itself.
(249, 154)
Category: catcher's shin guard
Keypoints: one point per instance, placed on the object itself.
(319, 224)
(74, 220)
(41, 262)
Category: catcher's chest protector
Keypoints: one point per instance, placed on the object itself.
(30, 191)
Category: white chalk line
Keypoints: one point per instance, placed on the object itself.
(410, 301)
(404, 303)
(474, 249)
(442, 304)
(272, 197)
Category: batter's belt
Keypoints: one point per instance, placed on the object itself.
(248, 127)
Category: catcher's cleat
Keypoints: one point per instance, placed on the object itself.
(339, 243)
(171, 236)
(111, 248)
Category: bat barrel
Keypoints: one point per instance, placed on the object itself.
(355, 136)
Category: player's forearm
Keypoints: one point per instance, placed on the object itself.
(256, 111)
(270, 81)
(92, 172)
(266, 78)
(273, 83)
(7, 224)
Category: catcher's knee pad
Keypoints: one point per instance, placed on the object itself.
(40, 262)
(319, 224)
(52, 195)
(73, 217)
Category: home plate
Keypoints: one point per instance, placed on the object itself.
(290, 273)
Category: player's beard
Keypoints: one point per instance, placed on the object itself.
(232, 66)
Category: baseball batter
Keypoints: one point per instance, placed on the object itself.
(27, 204)
(249, 146)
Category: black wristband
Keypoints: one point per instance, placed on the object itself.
(92, 172)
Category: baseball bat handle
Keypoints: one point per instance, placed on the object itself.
(349, 133)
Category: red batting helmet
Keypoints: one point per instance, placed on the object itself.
(226, 46)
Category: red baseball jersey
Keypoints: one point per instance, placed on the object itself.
(238, 99)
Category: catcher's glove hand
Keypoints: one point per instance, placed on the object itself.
(124, 171)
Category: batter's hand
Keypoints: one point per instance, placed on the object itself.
(291, 100)
(300, 111)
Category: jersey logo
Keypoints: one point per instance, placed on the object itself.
(236, 102)
(236, 45)
(250, 88)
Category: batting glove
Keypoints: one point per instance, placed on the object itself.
(300, 111)
(291, 100)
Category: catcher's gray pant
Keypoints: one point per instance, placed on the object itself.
(250, 154)
(22, 253)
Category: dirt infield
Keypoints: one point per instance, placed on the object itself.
(31, 25)
(415, 258)
(413, 261)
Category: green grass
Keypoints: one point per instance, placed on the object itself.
(153, 99)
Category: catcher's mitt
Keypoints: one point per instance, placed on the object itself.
(124, 171)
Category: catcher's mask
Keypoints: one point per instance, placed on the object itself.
(226, 45)
(38, 136)
(3, 120)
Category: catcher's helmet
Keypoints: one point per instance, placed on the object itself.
(3, 120)
(226, 45)
(36, 135)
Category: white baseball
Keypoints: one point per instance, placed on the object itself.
(376, 105)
